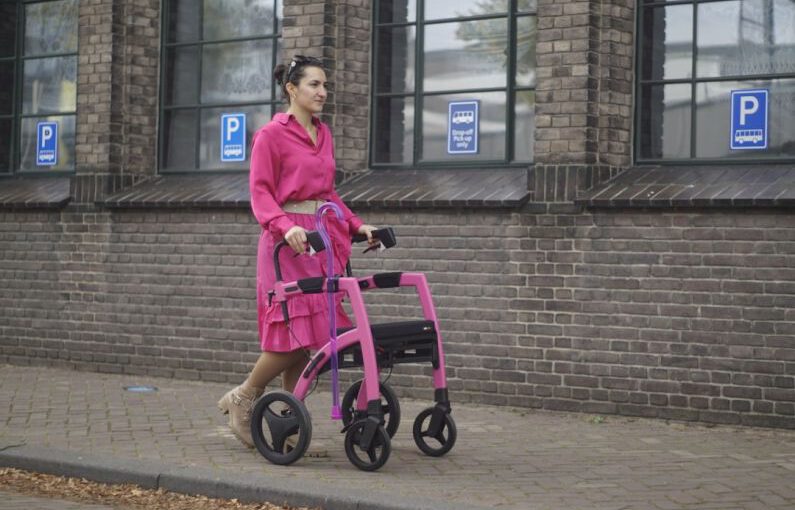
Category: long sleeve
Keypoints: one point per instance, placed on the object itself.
(263, 178)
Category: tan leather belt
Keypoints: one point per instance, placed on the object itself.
(303, 207)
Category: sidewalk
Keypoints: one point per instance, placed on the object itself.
(86, 424)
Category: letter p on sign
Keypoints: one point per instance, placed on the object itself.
(748, 106)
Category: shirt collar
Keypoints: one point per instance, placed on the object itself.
(284, 117)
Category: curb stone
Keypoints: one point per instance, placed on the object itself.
(211, 483)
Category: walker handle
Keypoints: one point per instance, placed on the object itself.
(386, 235)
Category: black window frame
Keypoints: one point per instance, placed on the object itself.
(510, 89)
(274, 102)
(693, 81)
(17, 116)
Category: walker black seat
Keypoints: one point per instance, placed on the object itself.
(395, 342)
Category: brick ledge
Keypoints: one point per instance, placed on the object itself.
(696, 186)
(34, 193)
(481, 188)
(501, 188)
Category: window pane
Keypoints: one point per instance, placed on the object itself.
(526, 51)
(251, 17)
(181, 83)
(394, 130)
(524, 125)
(526, 6)
(179, 139)
(8, 29)
(439, 9)
(183, 20)
(51, 27)
(713, 119)
(49, 85)
(491, 139)
(395, 59)
(665, 121)
(5, 145)
(397, 11)
(66, 143)
(237, 72)
(667, 42)
(466, 55)
(210, 142)
(6, 87)
(748, 37)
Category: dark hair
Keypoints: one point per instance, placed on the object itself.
(294, 71)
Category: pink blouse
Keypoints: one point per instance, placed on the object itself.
(287, 167)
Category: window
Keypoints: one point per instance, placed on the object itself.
(466, 67)
(693, 55)
(218, 59)
(38, 85)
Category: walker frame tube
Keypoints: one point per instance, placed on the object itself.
(362, 334)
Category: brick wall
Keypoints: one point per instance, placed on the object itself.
(672, 315)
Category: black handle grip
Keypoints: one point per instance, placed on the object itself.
(315, 240)
(386, 235)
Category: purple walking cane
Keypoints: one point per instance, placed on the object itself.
(336, 412)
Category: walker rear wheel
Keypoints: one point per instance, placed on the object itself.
(389, 407)
(442, 432)
(281, 427)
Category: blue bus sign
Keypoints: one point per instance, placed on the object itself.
(46, 144)
(233, 137)
(462, 127)
(749, 119)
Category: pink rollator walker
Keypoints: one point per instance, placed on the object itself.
(281, 425)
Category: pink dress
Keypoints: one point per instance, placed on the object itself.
(286, 166)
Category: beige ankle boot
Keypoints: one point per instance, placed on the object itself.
(238, 403)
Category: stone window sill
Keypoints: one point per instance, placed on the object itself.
(478, 188)
(696, 187)
(184, 191)
(500, 188)
(34, 193)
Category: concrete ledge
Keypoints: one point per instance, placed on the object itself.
(212, 483)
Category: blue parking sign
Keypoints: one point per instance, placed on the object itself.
(462, 127)
(749, 119)
(233, 137)
(46, 144)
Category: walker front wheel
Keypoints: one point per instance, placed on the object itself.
(367, 458)
(389, 407)
(281, 427)
(440, 427)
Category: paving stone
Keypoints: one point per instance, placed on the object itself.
(502, 459)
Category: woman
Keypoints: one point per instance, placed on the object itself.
(292, 174)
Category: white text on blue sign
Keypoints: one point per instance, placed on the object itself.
(46, 144)
(462, 127)
(749, 119)
(233, 137)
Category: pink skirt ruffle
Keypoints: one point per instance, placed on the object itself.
(309, 326)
